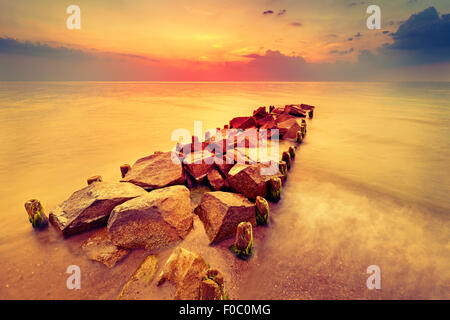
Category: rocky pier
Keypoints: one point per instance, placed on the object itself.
(244, 165)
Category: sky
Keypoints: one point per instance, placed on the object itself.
(225, 40)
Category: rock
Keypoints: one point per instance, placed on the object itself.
(36, 214)
(248, 180)
(153, 220)
(288, 129)
(298, 112)
(259, 113)
(221, 212)
(299, 137)
(286, 158)
(271, 108)
(243, 123)
(243, 243)
(94, 179)
(278, 110)
(262, 211)
(140, 279)
(99, 247)
(307, 107)
(210, 290)
(212, 286)
(283, 168)
(292, 152)
(267, 122)
(124, 169)
(199, 164)
(90, 207)
(156, 171)
(216, 180)
(185, 269)
(284, 117)
(274, 189)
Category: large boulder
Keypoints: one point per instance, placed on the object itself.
(221, 212)
(91, 206)
(153, 220)
(156, 171)
(185, 270)
(289, 128)
(251, 180)
(247, 180)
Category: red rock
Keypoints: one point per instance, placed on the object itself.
(216, 180)
(260, 113)
(288, 129)
(199, 164)
(295, 111)
(156, 171)
(243, 123)
(221, 213)
(266, 120)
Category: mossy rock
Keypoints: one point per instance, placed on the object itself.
(262, 211)
(274, 189)
(286, 157)
(36, 214)
(292, 152)
(299, 137)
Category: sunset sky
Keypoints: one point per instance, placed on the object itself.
(224, 40)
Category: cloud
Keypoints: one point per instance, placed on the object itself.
(11, 46)
(295, 24)
(354, 4)
(342, 52)
(15, 47)
(423, 31)
(268, 12)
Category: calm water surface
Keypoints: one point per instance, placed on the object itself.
(370, 185)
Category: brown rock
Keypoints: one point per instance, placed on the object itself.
(216, 180)
(99, 247)
(153, 220)
(199, 164)
(140, 279)
(210, 290)
(221, 212)
(94, 179)
(288, 129)
(243, 123)
(155, 171)
(250, 180)
(90, 207)
(260, 113)
(185, 269)
(124, 169)
(296, 111)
